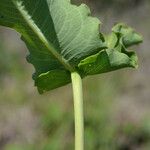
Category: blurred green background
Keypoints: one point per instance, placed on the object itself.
(116, 105)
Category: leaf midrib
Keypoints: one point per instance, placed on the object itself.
(40, 35)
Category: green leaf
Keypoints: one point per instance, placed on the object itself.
(63, 38)
(58, 34)
(116, 56)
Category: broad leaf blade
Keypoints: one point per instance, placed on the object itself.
(58, 34)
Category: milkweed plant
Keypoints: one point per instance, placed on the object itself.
(65, 45)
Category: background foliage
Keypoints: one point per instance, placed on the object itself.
(116, 104)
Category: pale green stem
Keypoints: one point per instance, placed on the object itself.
(78, 110)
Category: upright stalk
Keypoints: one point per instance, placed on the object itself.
(78, 110)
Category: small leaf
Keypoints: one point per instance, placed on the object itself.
(116, 56)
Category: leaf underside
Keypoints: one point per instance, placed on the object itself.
(63, 38)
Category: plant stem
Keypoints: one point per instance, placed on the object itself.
(78, 110)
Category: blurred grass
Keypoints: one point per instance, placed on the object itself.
(116, 105)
